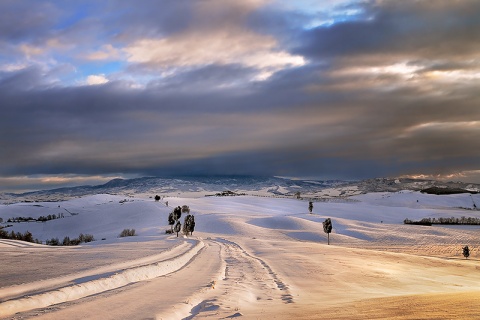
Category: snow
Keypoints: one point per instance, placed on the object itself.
(250, 257)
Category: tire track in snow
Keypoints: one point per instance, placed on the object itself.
(286, 296)
(99, 283)
(247, 280)
(16, 244)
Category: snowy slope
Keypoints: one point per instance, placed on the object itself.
(270, 227)
(105, 216)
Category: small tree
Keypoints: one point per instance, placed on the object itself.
(53, 242)
(157, 198)
(171, 220)
(466, 252)
(189, 224)
(66, 241)
(177, 213)
(27, 236)
(178, 227)
(310, 206)
(327, 228)
(174, 216)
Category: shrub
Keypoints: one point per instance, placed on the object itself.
(82, 238)
(53, 242)
(88, 238)
(66, 241)
(127, 233)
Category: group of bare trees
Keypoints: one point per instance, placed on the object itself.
(174, 220)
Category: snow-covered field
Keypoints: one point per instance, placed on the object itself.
(249, 257)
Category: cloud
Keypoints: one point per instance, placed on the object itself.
(26, 20)
(36, 182)
(221, 48)
(106, 52)
(246, 87)
(420, 29)
(95, 79)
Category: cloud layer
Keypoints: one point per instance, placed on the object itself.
(353, 89)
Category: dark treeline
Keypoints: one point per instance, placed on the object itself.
(82, 238)
(39, 219)
(27, 236)
(448, 221)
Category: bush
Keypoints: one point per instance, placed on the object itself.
(127, 233)
(66, 241)
(53, 242)
(85, 238)
(82, 238)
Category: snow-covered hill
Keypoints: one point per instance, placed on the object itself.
(184, 186)
(258, 186)
(252, 255)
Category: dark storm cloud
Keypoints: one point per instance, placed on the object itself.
(93, 130)
(148, 18)
(417, 28)
(20, 20)
(393, 94)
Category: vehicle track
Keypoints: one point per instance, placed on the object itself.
(248, 281)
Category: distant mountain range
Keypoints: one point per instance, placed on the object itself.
(260, 186)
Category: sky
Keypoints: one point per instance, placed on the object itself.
(95, 90)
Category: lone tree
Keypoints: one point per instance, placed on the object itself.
(189, 224)
(466, 252)
(157, 198)
(310, 206)
(327, 228)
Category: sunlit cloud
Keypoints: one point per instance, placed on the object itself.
(221, 47)
(11, 67)
(96, 79)
(443, 127)
(30, 183)
(106, 52)
(463, 176)
(29, 50)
